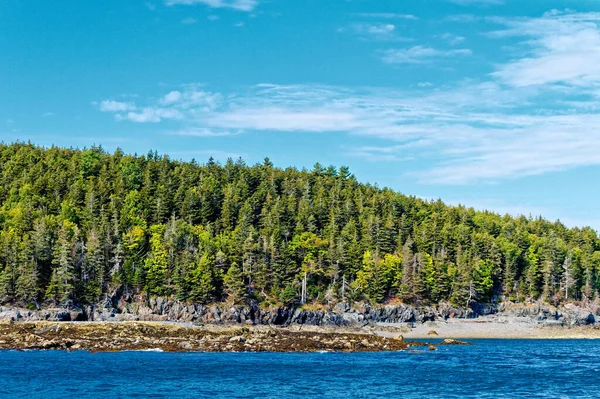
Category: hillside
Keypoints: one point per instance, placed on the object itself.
(76, 225)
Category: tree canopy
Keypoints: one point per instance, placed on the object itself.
(78, 225)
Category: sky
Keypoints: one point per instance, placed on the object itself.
(493, 104)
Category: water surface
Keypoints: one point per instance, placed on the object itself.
(488, 369)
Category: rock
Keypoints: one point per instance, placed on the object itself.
(237, 339)
(432, 348)
(432, 333)
(579, 317)
(449, 341)
(54, 328)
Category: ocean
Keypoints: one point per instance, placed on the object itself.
(486, 369)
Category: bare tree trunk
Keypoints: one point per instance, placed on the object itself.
(303, 300)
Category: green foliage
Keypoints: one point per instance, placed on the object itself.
(203, 281)
(156, 263)
(76, 225)
(235, 287)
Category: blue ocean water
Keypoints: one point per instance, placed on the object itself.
(487, 369)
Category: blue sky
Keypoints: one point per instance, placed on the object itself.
(490, 103)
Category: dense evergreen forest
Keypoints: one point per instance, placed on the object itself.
(77, 225)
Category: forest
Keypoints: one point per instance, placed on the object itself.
(77, 226)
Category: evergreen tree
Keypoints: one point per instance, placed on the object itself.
(234, 283)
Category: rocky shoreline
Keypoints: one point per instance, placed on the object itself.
(122, 336)
(339, 315)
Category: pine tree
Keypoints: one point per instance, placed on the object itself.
(27, 284)
(202, 281)
(234, 284)
(61, 288)
(156, 264)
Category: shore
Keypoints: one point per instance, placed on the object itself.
(186, 337)
(174, 337)
(487, 328)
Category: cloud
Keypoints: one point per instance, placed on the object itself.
(283, 119)
(204, 132)
(48, 114)
(375, 31)
(384, 15)
(471, 132)
(381, 29)
(240, 5)
(419, 55)
(516, 122)
(452, 39)
(562, 47)
(189, 21)
(150, 115)
(175, 105)
(115, 106)
(171, 98)
(468, 133)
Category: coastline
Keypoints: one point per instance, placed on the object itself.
(186, 337)
(484, 329)
(175, 337)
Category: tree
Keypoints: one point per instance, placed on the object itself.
(309, 249)
(79, 225)
(27, 284)
(61, 288)
(203, 281)
(234, 283)
(156, 264)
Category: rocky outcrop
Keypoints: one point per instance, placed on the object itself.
(102, 337)
(568, 314)
(50, 314)
(342, 314)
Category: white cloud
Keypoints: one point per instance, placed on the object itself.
(150, 115)
(419, 54)
(375, 31)
(510, 125)
(204, 132)
(381, 29)
(472, 132)
(171, 97)
(283, 119)
(385, 15)
(452, 39)
(240, 5)
(563, 48)
(115, 106)
(48, 114)
(189, 21)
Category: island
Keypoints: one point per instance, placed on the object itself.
(181, 255)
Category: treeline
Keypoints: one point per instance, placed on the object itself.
(77, 225)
